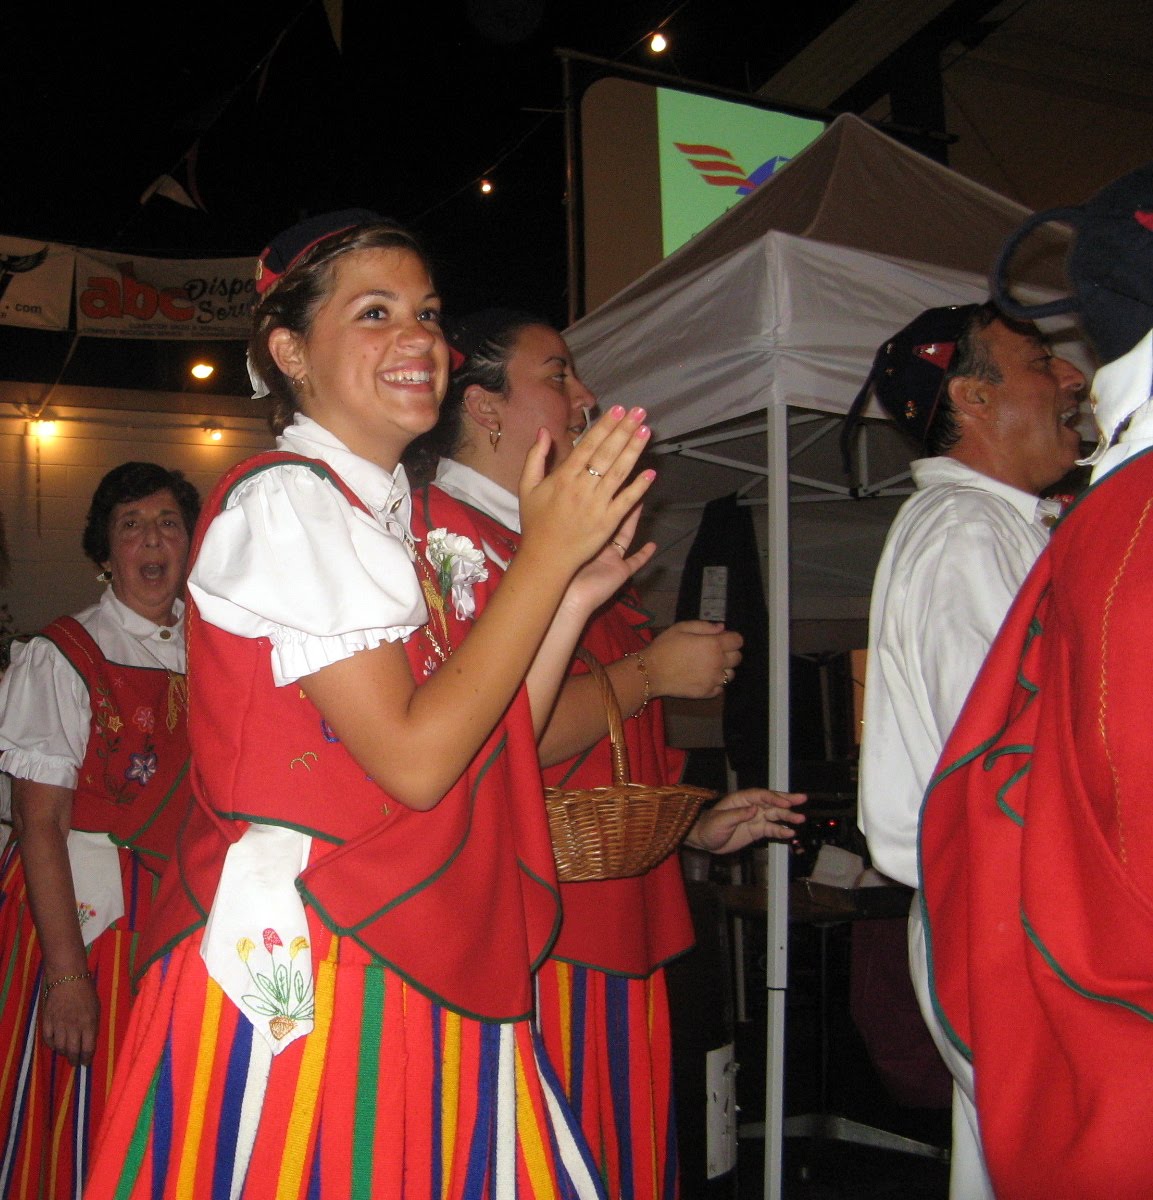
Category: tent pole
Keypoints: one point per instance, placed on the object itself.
(575, 282)
(777, 596)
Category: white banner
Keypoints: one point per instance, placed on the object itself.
(35, 283)
(124, 295)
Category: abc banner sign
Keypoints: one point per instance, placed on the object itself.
(102, 294)
(119, 295)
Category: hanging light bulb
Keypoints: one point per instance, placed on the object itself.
(202, 370)
(485, 187)
(658, 43)
(44, 430)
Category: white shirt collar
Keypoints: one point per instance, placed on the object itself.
(137, 626)
(471, 487)
(932, 472)
(386, 494)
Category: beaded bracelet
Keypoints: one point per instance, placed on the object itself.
(645, 672)
(67, 979)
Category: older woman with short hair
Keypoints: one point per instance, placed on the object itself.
(93, 736)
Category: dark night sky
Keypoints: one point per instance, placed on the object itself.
(97, 101)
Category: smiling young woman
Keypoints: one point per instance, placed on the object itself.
(337, 991)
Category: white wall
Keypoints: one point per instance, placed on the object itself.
(46, 487)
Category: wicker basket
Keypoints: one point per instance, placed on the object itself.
(624, 829)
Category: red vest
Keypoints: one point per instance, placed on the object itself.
(461, 900)
(133, 782)
(1037, 863)
(624, 926)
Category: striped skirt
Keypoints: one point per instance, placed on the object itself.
(390, 1096)
(609, 1039)
(49, 1110)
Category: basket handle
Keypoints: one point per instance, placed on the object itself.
(620, 751)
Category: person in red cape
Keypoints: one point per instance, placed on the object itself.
(336, 990)
(601, 1002)
(94, 737)
(1037, 888)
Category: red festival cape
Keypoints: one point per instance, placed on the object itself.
(1037, 863)
(460, 900)
(133, 782)
(623, 926)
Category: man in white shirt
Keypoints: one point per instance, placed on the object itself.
(994, 411)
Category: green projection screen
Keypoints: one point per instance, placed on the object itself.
(659, 164)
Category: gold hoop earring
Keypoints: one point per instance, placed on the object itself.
(494, 437)
(298, 381)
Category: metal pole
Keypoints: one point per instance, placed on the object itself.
(777, 541)
(575, 286)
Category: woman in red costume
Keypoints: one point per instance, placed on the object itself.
(601, 1000)
(94, 737)
(337, 993)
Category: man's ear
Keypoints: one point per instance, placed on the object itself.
(287, 352)
(483, 406)
(965, 393)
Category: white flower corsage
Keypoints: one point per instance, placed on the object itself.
(458, 565)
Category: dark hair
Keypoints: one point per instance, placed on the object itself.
(972, 359)
(125, 483)
(486, 365)
(294, 300)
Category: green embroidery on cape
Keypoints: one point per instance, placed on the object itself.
(1070, 982)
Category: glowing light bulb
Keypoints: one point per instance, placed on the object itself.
(202, 370)
(658, 43)
(44, 429)
(485, 186)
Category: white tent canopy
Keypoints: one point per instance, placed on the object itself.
(781, 304)
(747, 346)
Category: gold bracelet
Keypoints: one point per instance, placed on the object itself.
(645, 672)
(67, 979)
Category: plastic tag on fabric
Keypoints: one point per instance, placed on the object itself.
(95, 865)
(256, 943)
(714, 593)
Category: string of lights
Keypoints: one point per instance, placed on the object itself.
(483, 182)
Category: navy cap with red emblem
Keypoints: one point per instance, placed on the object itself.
(287, 248)
(909, 371)
(1110, 265)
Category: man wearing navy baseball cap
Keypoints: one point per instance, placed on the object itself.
(1037, 833)
(993, 411)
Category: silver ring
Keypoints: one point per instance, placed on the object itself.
(593, 472)
(726, 678)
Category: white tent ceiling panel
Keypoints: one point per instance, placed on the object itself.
(782, 321)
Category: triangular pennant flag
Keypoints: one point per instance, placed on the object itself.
(180, 191)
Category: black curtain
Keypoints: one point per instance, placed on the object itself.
(726, 539)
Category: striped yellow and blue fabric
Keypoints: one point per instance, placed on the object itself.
(50, 1110)
(391, 1095)
(609, 1038)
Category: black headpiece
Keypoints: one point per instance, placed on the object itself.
(1110, 265)
(908, 373)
